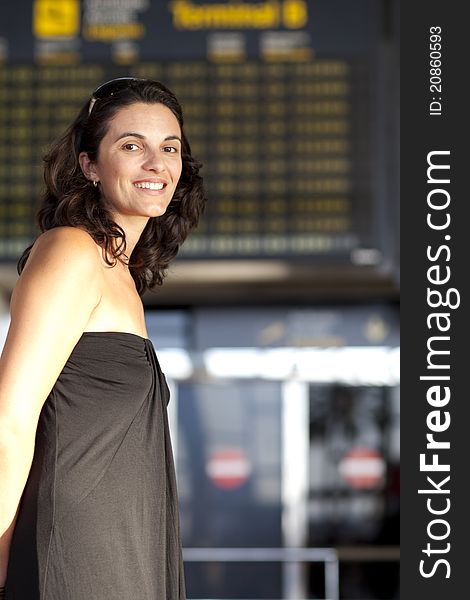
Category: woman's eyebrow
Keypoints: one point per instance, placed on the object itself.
(142, 137)
(173, 137)
(130, 134)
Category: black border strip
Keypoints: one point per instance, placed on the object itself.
(422, 133)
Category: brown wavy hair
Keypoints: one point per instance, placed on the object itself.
(70, 199)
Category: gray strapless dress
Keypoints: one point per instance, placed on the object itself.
(98, 518)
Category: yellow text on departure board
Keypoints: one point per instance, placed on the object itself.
(187, 15)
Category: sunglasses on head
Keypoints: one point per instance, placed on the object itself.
(110, 88)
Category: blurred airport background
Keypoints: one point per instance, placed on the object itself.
(278, 325)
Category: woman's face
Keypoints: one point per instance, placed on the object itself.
(139, 162)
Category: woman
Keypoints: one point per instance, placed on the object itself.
(88, 506)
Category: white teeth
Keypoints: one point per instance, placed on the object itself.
(149, 185)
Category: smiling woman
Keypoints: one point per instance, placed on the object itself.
(130, 132)
(88, 500)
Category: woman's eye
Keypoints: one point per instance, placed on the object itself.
(170, 149)
(130, 146)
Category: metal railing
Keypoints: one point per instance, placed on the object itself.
(328, 556)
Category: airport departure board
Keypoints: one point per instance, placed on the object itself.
(282, 113)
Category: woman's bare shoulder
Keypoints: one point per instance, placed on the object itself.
(65, 238)
(72, 244)
(56, 255)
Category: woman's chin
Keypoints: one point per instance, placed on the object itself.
(158, 211)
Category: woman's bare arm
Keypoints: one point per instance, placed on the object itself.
(50, 308)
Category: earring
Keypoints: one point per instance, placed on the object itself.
(95, 183)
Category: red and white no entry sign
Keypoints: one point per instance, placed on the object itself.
(362, 467)
(228, 468)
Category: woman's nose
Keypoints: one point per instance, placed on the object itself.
(154, 161)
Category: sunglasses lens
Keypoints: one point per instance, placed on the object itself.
(113, 86)
(109, 88)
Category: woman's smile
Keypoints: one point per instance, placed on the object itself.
(157, 185)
